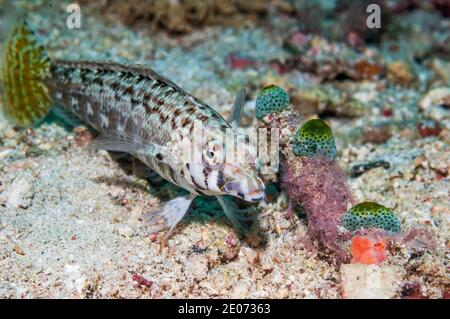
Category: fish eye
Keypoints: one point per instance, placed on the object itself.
(209, 156)
(212, 154)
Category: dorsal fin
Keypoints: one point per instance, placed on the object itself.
(236, 111)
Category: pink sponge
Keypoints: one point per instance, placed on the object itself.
(320, 186)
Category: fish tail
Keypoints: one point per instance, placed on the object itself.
(25, 67)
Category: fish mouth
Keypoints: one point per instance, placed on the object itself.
(239, 190)
(255, 197)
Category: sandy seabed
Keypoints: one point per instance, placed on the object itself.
(69, 216)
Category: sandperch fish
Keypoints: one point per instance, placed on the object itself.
(135, 110)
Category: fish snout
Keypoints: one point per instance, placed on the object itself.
(242, 189)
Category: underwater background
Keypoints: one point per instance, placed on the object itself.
(359, 208)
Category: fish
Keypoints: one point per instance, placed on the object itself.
(137, 111)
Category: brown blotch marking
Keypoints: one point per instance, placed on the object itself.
(162, 118)
(176, 113)
(203, 118)
(128, 90)
(146, 105)
(206, 172)
(146, 97)
(174, 123)
(220, 179)
(185, 122)
(114, 86)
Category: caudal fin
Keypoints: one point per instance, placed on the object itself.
(25, 67)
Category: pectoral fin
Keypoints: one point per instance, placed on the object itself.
(170, 215)
(122, 142)
(238, 216)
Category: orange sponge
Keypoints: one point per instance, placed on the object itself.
(368, 250)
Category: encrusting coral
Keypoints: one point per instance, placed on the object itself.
(272, 99)
(314, 138)
(309, 175)
(371, 215)
(312, 179)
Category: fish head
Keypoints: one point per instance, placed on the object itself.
(243, 182)
(226, 174)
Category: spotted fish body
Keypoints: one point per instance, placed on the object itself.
(135, 110)
(136, 100)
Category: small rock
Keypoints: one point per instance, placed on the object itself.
(141, 282)
(377, 134)
(282, 293)
(19, 194)
(83, 136)
(33, 151)
(198, 265)
(4, 153)
(370, 281)
(400, 73)
(74, 279)
(251, 255)
(311, 101)
(429, 128)
(10, 133)
(436, 105)
(367, 70)
(236, 60)
(18, 250)
(124, 230)
(442, 68)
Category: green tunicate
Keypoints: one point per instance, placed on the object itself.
(272, 99)
(314, 138)
(371, 215)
